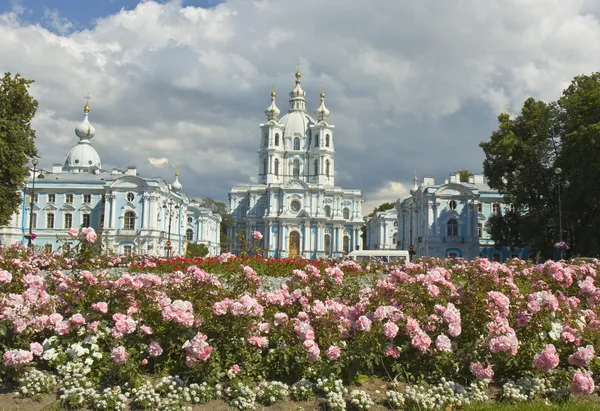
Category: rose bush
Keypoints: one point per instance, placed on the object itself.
(211, 321)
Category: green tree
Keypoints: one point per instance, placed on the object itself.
(580, 161)
(17, 146)
(220, 208)
(464, 175)
(196, 250)
(519, 162)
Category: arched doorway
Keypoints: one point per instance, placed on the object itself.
(294, 246)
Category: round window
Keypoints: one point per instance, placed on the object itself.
(295, 206)
(130, 197)
(189, 219)
(452, 204)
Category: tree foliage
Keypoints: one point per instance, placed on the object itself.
(521, 160)
(196, 250)
(17, 146)
(382, 207)
(220, 208)
(464, 175)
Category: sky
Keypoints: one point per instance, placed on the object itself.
(412, 86)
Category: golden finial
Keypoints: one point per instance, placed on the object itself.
(298, 74)
(322, 92)
(273, 94)
(87, 99)
(415, 177)
(177, 174)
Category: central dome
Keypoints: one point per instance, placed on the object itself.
(296, 122)
(83, 156)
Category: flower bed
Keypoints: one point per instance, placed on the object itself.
(533, 331)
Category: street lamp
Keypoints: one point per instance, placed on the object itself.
(169, 206)
(35, 163)
(407, 209)
(558, 172)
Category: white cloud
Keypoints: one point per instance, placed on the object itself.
(410, 85)
(390, 191)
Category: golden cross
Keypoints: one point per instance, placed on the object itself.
(505, 107)
(87, 98)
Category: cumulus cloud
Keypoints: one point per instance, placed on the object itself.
(410, 85)
(390, 191)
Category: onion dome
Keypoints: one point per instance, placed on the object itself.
(176, 186)
(83, 155)
(321, 113)
(272, 111)
(297, 91)
(415, 188)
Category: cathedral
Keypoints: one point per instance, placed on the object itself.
(131, 213)
(295, 205)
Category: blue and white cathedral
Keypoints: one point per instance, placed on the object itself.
(132, 214)
(296, 205)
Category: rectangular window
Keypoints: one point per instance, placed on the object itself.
(127, 249)
(51, 198)
(87, 198)
(33, 220)
(480, 230)
(35, 198)
(50, 220)
(85, 220)
(68, 220)
(479, 207)
(68, 198)
(495, 208)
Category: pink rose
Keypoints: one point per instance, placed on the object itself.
(583, 383)
(480, 371)
(257, 235)
(547, 360)
(154, 349)
(119, 355)
(363, 323)
(73, 232)
(442, 343)
(333, 353)
(390, 330)
(36, 349)
(100, 306)
(582, 357)
(77, 320)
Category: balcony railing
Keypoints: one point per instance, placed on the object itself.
(125, 231)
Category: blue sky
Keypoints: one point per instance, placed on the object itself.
(82, 13)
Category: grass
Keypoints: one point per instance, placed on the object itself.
(536, 406)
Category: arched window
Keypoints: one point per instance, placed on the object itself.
(346, 213)
(452, 228)
(327, 244)
(277, 139)
(129, 220)
(317, 167)
(327, 140)
(296, 169)
(265, 166)
(189, 235)
(276, 166)
(396, 223)
(316, 140)
(346, 244)
(327, 168)
(327, 210)
(395, 238)
(297, 143)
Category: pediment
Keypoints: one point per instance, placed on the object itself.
(128, 206)
(68, 207)
(50, 206)
(295, 184)
(129, 182)
(85, 207)
(452, 190)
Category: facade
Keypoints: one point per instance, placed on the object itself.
(296, 205)
(382, 231)
(131, 214)
(448, 220)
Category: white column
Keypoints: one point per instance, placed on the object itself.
(114, 211)
(107, 203)
(468, 214)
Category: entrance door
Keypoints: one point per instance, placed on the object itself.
(294, 244)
